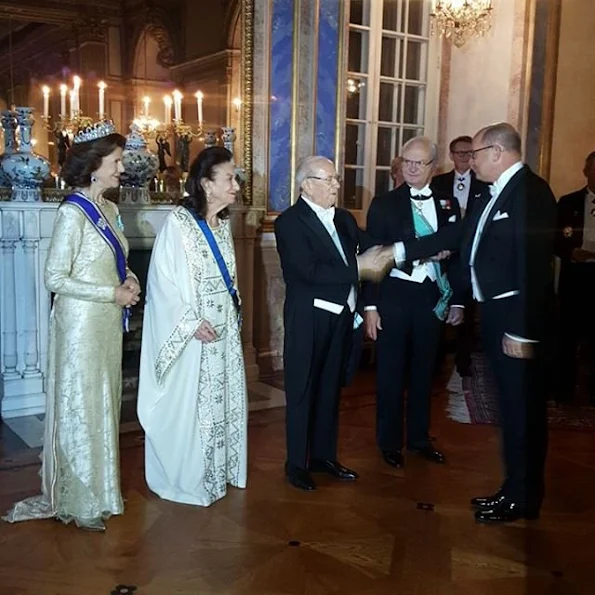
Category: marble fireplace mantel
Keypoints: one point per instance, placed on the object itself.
(25, 233)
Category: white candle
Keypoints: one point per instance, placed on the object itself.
(46, 101)
(72, 104)
(167, 103)
(101, 87)
(146, 103)
(177, 105)
(76, 85)
(237, 102)
(63, 91)
(199, 97)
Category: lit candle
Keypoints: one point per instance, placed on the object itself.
(46, 101)
(146, 103)
(237, 102)
(63, 91)
(76, 85)
(101, 86)
(177, 105)
(199, 97)
(72, 104)
(167, 103)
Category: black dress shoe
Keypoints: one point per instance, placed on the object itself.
(487, 501)
(393, 458)
(427, 452)
(333, 468)
(506, 511)
(299, 478)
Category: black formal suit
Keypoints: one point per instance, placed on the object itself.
(317, 342)
(576, 295)
(464, 332)
(515, 253)
(444, 183)
(408, 342)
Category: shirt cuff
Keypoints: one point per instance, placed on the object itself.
(520, 339)
(457, 306)
(370, 309)
(399, 253)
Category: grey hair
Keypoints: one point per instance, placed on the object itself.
(503, 134)
(308, 167)
(425, 142)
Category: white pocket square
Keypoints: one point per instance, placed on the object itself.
(499, 216)
(452, 219)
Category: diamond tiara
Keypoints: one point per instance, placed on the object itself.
(98, 130)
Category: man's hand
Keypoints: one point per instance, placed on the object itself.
(580, 255)
(205, 332)
(374, 262)
(517, 349)
(372, 324)
(456, 315)
(443, 254)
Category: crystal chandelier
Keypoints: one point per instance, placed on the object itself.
(461, 19)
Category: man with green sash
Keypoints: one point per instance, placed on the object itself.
(404, 313)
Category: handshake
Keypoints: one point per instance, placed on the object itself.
(374, 263)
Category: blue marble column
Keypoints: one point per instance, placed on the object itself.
(327, 77)
(281, 87)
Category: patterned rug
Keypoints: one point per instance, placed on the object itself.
(474, 401)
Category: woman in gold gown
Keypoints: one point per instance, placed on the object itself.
(92, 296)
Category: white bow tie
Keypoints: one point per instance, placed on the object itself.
(425, 192)
(328, 215)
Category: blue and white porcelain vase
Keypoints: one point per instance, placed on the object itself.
(210, 139)
(9, 129)
(25, 169)
(140, 167)
(228, 137)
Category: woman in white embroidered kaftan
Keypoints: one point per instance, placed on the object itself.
(192, 400)
(81, 460)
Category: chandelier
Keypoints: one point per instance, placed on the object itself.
(461, 19)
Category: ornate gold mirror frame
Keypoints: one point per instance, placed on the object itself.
(247, 93)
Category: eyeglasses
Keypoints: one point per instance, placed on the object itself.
(463, 153)
(416, 164)
(328, 180)
(474, 153)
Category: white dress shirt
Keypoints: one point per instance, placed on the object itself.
(462, 195)
(327, 218)
(589, 225)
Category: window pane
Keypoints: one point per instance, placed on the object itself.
(356, 14)
(389, 57)
(353, 188)
(358, 51)
(413, 112)
(388, 103)
(409, 133)
(383, 182)
(390, 12)
(413, 71)
(385, 145)
(416, 12)
(356, 99)
(355, 144)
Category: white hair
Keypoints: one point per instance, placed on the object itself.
(424, 142)
(308, 167)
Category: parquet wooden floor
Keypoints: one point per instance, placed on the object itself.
(391, 533)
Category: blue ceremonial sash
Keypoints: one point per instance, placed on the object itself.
(96, 218)
(423, 228)
(233, 292)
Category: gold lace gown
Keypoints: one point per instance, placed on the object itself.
(80, 459)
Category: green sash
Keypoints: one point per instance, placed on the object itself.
(423, 228)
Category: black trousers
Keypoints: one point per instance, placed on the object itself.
(312, 415)
(576, 327)
(465, 337)
(406, 352)
(523, 409)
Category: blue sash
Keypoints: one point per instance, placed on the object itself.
(423, 228)
(95, 216)
(233, 292)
